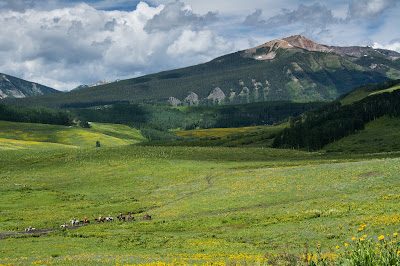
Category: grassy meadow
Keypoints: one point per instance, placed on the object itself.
(380, 135)
(15, 135)
(220, 205)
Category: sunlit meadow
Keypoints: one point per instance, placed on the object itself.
(208, 205)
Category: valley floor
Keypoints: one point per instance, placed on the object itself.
(208, 205)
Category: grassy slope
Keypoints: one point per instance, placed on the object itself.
(25, 135)
(365, 91)
(208, 204)
(381, 135)
(387, 90)
(257, 136)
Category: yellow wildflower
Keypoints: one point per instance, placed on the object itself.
(381, 237)
(395, 234)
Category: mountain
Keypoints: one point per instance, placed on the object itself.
(11, 87)
(98, 83)
(292, 68)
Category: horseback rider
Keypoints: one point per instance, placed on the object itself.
(129, 216)
(120, 215)
(85, 220)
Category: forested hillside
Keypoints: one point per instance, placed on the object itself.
(312, 130)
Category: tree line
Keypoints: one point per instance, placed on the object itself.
(34, 115)
(312, 130)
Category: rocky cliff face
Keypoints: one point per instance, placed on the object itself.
(192, 99)
(217, 95)
(11, 87)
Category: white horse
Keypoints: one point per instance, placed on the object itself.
(64, 226)
(30, 229)
(74, 222)
(109, 219)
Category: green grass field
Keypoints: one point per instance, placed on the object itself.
(39, 136)
(209, 204)
(380, 135)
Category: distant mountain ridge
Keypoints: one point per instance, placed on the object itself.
(98, 83)
(292, 68)
(12, 87)
(267, 50)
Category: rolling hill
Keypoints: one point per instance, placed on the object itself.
(293, 68)
(34, 136)
(12, 87)
(343, 117)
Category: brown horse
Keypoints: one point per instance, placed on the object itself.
(126, 218)
(147, 217)
(84, 222)
(100, 220)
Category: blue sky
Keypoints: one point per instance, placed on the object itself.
(65, 43)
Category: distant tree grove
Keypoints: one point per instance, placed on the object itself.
(34, 115)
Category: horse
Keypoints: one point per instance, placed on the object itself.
(64, 226)
(147, 217)
(100, 220)
(30, 229)
(126, 217)
(109, 219)
(74, 222)
(84, 222)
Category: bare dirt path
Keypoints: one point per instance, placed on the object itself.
(41, 232)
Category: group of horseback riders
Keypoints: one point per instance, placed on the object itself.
(121, 217)
(105, 219)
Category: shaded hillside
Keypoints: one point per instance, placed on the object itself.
(143, 115)
(293, 68)
(314, 129)
(12, 87)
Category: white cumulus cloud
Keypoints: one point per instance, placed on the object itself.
(395, 46)
(65, 47)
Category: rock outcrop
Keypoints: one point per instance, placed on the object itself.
(217, 95)
(192, 99)
(174, 101)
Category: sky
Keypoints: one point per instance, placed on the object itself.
(66, 43)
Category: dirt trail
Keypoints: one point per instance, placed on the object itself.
(41, 232)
